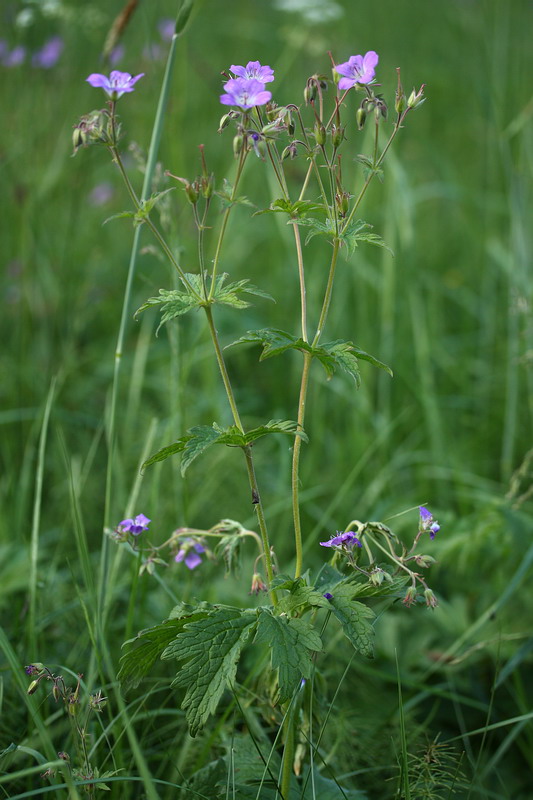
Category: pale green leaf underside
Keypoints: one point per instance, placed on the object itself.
(291, 641)
(211, 647)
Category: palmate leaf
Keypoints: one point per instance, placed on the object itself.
(332, 355)
(354, 617)
(176, 302)
(300, 595)
(211, 647)
(146, 647)
(297, 209)
(199, 438)
(292, 642)
(357, 231)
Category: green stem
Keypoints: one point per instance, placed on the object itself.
(242, 161)
(295, 472)
(327, 296)
(256, 498)
(288, 756)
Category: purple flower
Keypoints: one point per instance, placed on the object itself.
(101, 194)
(136, 525)
(427, 523)
(166, 28)
(189, 553)
(245, 93)
(116, 85)
(358, 69)
(253, 71)
(328, 596)
(348, 539)
(49, 54)
(116, 54)
(15, 57)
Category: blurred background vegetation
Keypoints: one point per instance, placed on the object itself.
(450, 313)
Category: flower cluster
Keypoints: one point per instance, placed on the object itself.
(348, 539)
(247, 89)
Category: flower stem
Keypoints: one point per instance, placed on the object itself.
(256, 498)
(295, 472)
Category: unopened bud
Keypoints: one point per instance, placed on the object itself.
(431, 600)
(400, 101)
(310, 92)
(416, 98)
(258, 584)
(238, 143)
(410, 597)
(206, 185)
(424, 561)
(56, 693)
(289, 152)
(32, 688)
(320, 134)
(378, 575)
(337, 135)
(360, 118)
(342, 202)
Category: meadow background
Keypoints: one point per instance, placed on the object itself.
(450, 312)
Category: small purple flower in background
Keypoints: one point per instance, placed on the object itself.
(189, 553)
(328, 596)
(14, 58)
(358, 69)
(166, 28)
(253, 71)
(116, 54)
(348, 539)
(427, 523)
(136, 525)
(116, 85)
(101, 194)
(245, 93)
(49, 54)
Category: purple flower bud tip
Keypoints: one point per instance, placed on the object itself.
(245, 93)
(358, 69)
(136, 525)
(348, 539)
(116, 85)
(328, 596)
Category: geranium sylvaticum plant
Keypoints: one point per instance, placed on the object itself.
(366, 561)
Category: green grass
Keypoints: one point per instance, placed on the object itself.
(450, 312)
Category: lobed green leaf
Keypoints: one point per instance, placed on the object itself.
(354, 617)
(211, 647)
(292, 641)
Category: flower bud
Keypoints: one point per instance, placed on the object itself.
(416, 98)
(63, 756)
(410, 597)
(289, 152)
(258, 584)
(238, 142)
(310, 92)
(32, 688)
(206, 186)
(342, 203)
(431, 600)
(225, 121)
(337, 135)
(424, 561)
(400, 102)
(320, 134)
(360, 118)
(56, 693)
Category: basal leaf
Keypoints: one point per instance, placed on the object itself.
(145, 648)
(355, 618)
(211, 647)
(292, 642)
